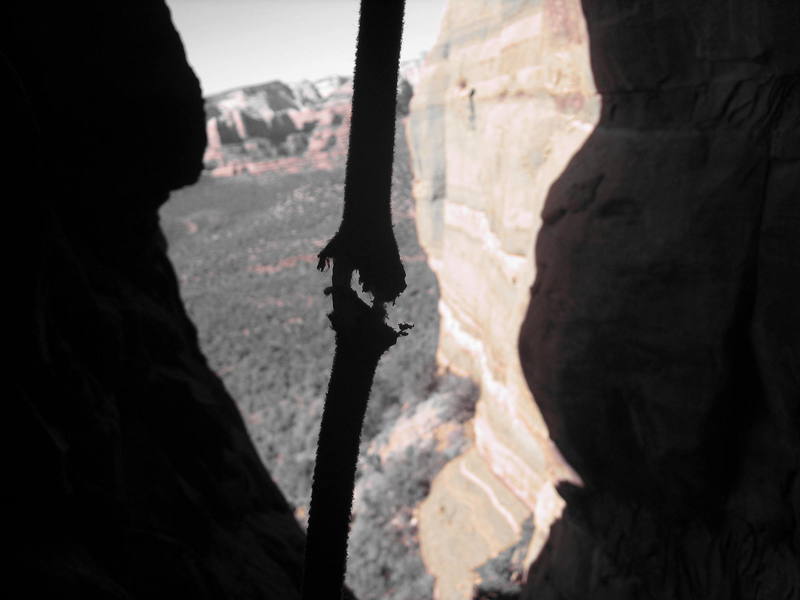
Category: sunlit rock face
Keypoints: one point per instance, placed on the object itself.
(504, 100)
(662, 342)
(280, 128)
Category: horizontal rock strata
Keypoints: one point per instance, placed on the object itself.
(505, 98)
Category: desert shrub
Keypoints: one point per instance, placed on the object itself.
(384, 560)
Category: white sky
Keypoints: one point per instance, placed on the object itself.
(232, 43)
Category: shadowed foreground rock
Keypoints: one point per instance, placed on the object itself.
(127, 470)
(278, 127)
(662, 341)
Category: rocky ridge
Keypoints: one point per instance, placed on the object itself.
(278, 127)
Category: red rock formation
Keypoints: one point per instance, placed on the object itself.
(276, 126)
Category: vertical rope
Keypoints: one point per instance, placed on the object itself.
(364, 242)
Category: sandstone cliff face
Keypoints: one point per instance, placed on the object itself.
(281, 128)
(504, 100)
(661, 341)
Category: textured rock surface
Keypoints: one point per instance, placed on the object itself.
(468, 514)
(662, 341)
(662, 338)
(504, 99)
(128, 472)
(287, 128)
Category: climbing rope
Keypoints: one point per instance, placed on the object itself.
(364, 243)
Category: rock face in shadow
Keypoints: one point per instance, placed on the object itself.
(662, 341)
(128, 472)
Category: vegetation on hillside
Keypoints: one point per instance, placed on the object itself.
(244, 249)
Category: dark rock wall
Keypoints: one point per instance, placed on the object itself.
(662, 341)
(127, 470)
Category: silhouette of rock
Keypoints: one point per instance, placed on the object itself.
(663, 335)
(128, 472)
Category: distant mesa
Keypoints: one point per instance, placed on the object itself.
(287, 127)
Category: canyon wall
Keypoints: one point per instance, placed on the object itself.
(659, 143)
(505, 98)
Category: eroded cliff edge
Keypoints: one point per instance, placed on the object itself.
(504, 99)
(662, 337)
(128, 472)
